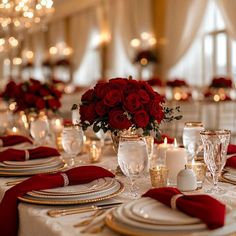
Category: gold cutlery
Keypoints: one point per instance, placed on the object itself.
(90, 219)
(71, 211)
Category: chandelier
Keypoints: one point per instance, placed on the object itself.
(18, 16)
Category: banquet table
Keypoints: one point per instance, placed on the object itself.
(33, 219)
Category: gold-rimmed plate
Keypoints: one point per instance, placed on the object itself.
(11, 173)
(72, 201)
(228, 176)
(72, 191)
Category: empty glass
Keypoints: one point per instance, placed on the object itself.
(72, 142)
(191, 138)
(39, 129)
(215, 143)
(132, 159)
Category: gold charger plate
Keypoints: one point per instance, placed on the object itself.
(34, 172)
(72, 202)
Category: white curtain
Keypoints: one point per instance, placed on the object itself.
(128, 19)
(183, 19)
(83, 30)
(227, 8)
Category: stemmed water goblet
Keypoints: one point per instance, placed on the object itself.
(215, 144)
(132, 159)
(39, 129)
(72, 142)
(191, 138)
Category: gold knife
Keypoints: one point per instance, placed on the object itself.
(70, 211)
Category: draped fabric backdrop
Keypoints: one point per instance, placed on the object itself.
(227, 8)
(183, 19)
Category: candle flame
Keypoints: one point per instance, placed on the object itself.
(165, 140)
(175, 143)
(14, 129)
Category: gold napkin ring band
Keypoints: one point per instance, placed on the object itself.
(66, 179)
(173, 201)
(27, 155)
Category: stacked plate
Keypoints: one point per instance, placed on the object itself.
(96, 190)
(31, 167)
(229, 175)
(147, 216)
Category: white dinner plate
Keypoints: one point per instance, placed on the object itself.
(53, 164)
(77, 190)
(120, 216)
(35, 162)
(146, 210)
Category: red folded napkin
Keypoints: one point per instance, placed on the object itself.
(231, 162)
(13, 140)
(8, 206)
(204, 207)
(22, 155)
(231, 149)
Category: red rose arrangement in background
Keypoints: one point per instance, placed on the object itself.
(221, 82)
(122, 104)
(177, 83)
(33, 96)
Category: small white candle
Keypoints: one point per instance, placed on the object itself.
(176, 158)
(161, 151)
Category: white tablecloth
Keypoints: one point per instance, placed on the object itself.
(34, 220)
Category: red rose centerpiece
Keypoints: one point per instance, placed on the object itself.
(121, 104)
(33, 96)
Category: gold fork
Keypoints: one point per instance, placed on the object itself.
(90, 219)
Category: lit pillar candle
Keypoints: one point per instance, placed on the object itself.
(176, 159)
(161, 151)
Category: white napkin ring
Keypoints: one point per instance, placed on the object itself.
(27, 155)
(1, 143)
(173, 201)
(66, 179)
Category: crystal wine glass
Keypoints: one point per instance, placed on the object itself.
(215, 143)
(132, 159)
(72, 142)
(39, 129)
(191, 138)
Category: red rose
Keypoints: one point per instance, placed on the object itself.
(44, 92)
(132, 102)
(53, 103)
(88, 96)
(141, 119)
(144, 85)
(30, 99)
(112, 98)
(101, 109)
(131, 87)
(118, 120)
(87, 113)
(40, 104)
(119, 83)
(143, 96)
(101, 89)
(34, 88)
(56, 93)
(156, 110)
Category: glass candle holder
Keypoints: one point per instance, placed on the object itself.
(95, 151)
(159, 176)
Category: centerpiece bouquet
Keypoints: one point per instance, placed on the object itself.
(33, 96)
(125, 104)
